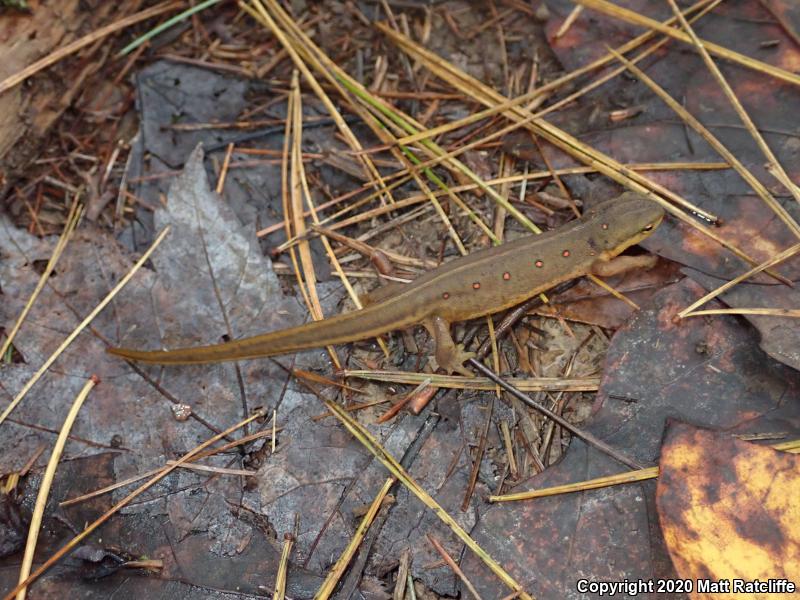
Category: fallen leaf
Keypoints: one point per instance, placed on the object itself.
(208, 275)
(708, 371)
(779, 336)
(728, 510)
(589, 303)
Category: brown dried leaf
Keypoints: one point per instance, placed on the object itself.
(708, 371)
(780, 336)
(210, 278)
(589, 303)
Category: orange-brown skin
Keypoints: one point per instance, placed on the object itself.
(482, 283)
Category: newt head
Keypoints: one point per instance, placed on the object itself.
(623, 222)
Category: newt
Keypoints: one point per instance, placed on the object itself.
(484, 282)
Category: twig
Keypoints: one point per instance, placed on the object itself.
(778, 258)
(584, 435)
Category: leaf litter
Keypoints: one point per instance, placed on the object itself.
(210, 282)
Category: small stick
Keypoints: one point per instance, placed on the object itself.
(454, 566)
(584, 435)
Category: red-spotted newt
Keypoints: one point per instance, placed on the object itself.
(472, 286)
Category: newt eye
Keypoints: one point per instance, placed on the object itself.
(648, 227)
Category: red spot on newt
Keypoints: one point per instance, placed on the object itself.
(446, 295)
(539, 264)
(506, 275)
(565, 253)
(604, 226)
(476, 285)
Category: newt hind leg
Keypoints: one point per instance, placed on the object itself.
(448, 355)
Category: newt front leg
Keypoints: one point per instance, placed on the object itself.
(448, 355)
(622, 264)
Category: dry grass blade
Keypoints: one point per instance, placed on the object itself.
(778, 258)
(300, 46)
(283, 567)
(519, 178)
(73, 217)
(571, 145)
(537, 384)
(71, 337)
(758, 187)
(287, 192)
(212, 469)
(570, 98)
(338, 569)
(509, 448)
(793, 313)
(455, 165)
(371, 444)
(86, 40)
(792, 446)
(407, 124)
(369, 251)
(307, 281)
(185, 465)
(398, 120)
(297, 211)
(352, 408)
(124, 502)
(615, 72)
(387, 119)
(338, 78)
(630, 16)
(737, 106)
(401, 581)
(258, 12)
(568, 143)
(47, 481)
(548, 87)
(783, 177)
(317, 378)
(614, 292)
(591, 484)
(226, 163)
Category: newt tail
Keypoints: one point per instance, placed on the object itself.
(347, 327)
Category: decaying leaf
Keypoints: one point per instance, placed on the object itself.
(210, 279)
(728, 509)
(780, 336)
(709, 371)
